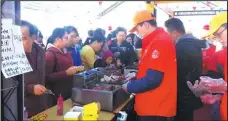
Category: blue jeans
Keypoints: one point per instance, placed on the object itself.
(215, 111)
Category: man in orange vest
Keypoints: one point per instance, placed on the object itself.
(218, 28)
(156, 84)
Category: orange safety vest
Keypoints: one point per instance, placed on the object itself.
(158, 53)
(223, 106)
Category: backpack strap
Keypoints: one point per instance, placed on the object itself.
(55, 58)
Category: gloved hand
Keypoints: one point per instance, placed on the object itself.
(124, 87)
(130, 76)
(197, 88)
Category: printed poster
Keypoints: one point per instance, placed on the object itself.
(13, 58)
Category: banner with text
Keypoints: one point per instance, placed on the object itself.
(197, 13)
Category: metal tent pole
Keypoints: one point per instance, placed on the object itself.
(12, 89)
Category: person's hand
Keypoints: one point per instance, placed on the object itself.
(124, 87)
(118, 63)
(39, 89)
(139, 53)
(197, 88)
(130, 76)
(71, 71)
(79, 68)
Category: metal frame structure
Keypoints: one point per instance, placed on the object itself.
(12, 89)
(109, 9)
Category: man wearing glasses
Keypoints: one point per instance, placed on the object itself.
(217, 64)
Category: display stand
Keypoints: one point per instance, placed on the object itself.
(12, 89)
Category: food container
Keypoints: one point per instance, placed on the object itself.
(89, 118)
(72, 116)
(81, 79)
(76, 109)
(88, 88)
(109, 100)
(130, 69)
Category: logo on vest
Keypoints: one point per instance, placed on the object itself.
(155, 54)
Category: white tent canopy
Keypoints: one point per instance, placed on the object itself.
(48, 15)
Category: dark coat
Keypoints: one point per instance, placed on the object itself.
(138, 43)
(100, 63)
(35, 104)
(189, 68)
(57, 80)
(127, 53)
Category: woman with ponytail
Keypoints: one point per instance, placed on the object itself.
(59, 66)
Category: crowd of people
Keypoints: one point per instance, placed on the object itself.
(65, 55)
(169, 58)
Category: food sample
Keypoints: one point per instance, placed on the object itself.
(104, 87)
(112, 71)
(113, 79)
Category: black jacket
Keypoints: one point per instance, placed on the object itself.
(138, 43)
(189, 68)
(127, 53)
(99, 63)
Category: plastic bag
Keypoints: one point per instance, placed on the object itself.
(207, 85)
(197, 89)
(130, 76)
(210, 99)
(213, 85)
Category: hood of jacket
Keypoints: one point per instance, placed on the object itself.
(55, 49)
(190, 39)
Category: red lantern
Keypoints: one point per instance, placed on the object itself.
(109, 28)
(100, 2)
(194, 8)
(206, 27)
(208, 3)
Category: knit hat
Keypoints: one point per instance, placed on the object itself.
(106, 54)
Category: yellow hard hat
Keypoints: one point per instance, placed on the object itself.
(216, 22)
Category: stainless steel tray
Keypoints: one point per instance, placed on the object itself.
(109, 100)
(81, 79)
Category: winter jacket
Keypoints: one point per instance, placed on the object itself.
(189, 68)
(57, 80)
(35, 104)
(127, 53)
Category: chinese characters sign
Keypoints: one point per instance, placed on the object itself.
(13, 58)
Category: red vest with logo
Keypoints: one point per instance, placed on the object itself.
(158, 53)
